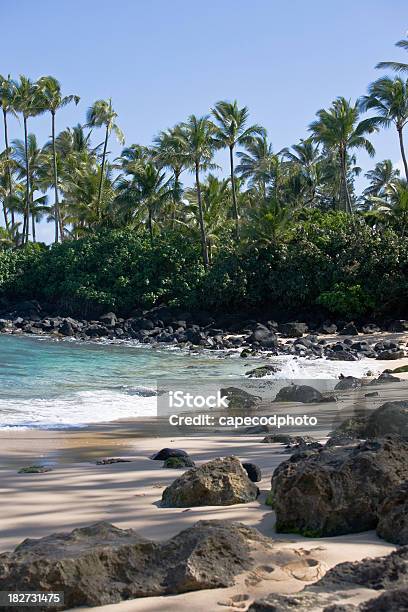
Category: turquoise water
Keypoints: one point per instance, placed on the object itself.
(46, 383)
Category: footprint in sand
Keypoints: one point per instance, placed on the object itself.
(306, 570)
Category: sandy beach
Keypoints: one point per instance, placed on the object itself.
(78, 492)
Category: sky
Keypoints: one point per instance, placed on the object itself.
(162, 60)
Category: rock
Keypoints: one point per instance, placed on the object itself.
(238, 399)
(263, 337)
(109, 319)
(221, 482)
(257, 429)
(348, 382)
(166, 453)
(391, 354)
(341, 356)
(338, 490)
(394, 600)
(349, 330)
(110, 460)
(66, 328)
(287, 439)
(393, 513)
(5, 325)
(327, 328)
(372, 394)
(388, 572)
(390, 418)
(296, 602)
(35, 469)
(341, 440)
(370, 328)
(385, 377)
(299, 393)
(253, 471)
(293, 329)
(179, 463)
(400, 370)
(102, 564)
(262, 371)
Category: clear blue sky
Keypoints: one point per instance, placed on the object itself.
(161, 60)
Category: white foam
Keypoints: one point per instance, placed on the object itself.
(74, 410)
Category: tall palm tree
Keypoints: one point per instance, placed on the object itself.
(381, 178)
(339, 130)
(257, 164)
(397, 66)
(197, 137)
(170, 154)
(305, 166)
(144, 189)
(100, 114)
(389, 98)
(232, 130)
(36, 163)
(29, 102)
(7, 88)
(50, 89)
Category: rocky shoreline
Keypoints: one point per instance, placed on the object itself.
(163, 326)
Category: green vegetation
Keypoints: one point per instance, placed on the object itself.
(285, 229)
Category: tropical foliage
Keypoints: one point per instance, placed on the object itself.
(282, 226)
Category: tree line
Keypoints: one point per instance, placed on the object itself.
(74, 184)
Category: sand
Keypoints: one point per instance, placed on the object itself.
(79, 492)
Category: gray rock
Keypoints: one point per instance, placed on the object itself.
(299, 393)
(177, 463)
(390, 418)
(337, 490)
(166, 453)
(393, 513)
(348, 382)
(254, 471)
(262, 371)
(293, 329)
(238, 399)
(102, 564)
(221, 482)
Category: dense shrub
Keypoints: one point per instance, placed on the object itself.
(326, 260)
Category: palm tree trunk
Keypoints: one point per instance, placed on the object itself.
(201, 217)
(27, 164)
(234, 195)
(33, 226)
(55, 170)
(105, 146)
(150, 224)
(10, 185)
(346, 193)
(402, 148)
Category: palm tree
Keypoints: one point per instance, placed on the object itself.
(305, 167)
(36, 163)
(257, 164)
(170, 154)
(232, 130)
(339, 130)
(215, 194)
(389, 98)
(101, 114)
(7, 88)
(381, 178)
(143, 188)
(397, 66)
(50, 90)
(27, 101)
(197, 137)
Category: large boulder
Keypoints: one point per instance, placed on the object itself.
(221, 482)
(393, 512)
(262, 371)
(294, 329)
(101, 564)
(239, 399)
(348, 382)
(299, 393)
(391, 417)
(263, 337)
(338, 490)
